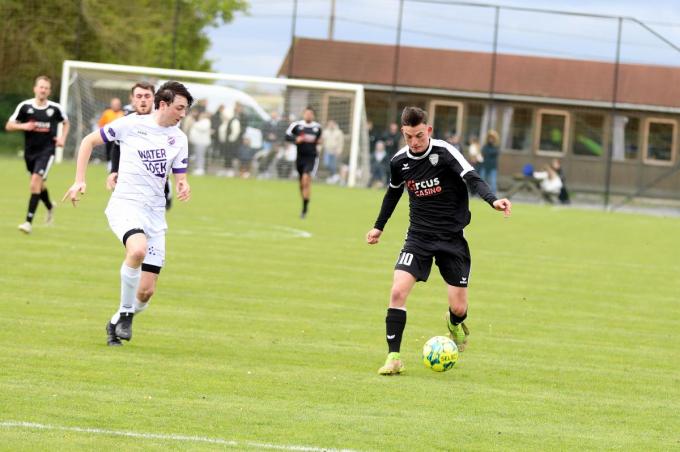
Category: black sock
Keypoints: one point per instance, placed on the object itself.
(395, 323)
(305, 202)
(45, 198)
(32, 205)
(455, 319)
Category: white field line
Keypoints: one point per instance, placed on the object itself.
(166, 437)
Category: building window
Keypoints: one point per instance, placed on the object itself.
(378, 110)
(632, 139)
(519, 130)
(552, 131)
(625, 138)
(473, 120)
(446, 118)
(588, 134)
(660, 141)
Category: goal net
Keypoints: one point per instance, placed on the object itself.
(265, 106)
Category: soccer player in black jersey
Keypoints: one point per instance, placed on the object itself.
(39, 118)
(306, 134)
(436, 177)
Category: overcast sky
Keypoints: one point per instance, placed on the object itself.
(255, 43)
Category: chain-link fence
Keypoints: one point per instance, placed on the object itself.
(599, 93)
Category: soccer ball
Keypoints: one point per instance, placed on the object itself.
(440, 354)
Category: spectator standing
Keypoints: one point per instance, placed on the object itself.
(379, 165)
(490, 153)
(200, 140)
(333, 144)
(109, 115)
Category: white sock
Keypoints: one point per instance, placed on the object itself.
(139, 306)
(115, 318)
(129, 280)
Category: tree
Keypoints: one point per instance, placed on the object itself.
(37, 35)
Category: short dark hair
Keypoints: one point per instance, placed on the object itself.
(42, 77)
(310, 108)
(146, 86)
(168, 91)
(413, 116)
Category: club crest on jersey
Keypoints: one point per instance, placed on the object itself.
(171, 140)
(434, 159)
(30, 111)
(50, 112)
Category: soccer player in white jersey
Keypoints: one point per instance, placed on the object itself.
(151, 146)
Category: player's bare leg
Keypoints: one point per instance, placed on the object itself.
(147, 287)
(395, 322)
(458, 305)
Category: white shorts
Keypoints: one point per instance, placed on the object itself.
(125, 216)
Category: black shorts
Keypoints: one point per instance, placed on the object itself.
(451, 254)
(307, 164)
(39, 163)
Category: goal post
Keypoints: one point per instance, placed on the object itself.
(87, 88)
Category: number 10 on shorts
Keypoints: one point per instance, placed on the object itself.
(405, 259)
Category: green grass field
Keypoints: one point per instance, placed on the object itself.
(260, 337)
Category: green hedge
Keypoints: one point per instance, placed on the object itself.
(11, 143)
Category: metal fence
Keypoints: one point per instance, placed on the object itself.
(508, 30)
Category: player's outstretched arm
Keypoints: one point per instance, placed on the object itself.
(84, 153)
(182, 187)
(504, 205)
(373, 236)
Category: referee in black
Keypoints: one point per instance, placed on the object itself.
(39, 119)
(436, 176)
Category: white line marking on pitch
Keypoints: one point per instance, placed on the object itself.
(168, 437)
(271, 231)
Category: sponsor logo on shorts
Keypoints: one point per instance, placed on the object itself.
(463, 280)
(427, 187)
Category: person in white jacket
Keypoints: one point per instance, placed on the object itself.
(200, 139)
